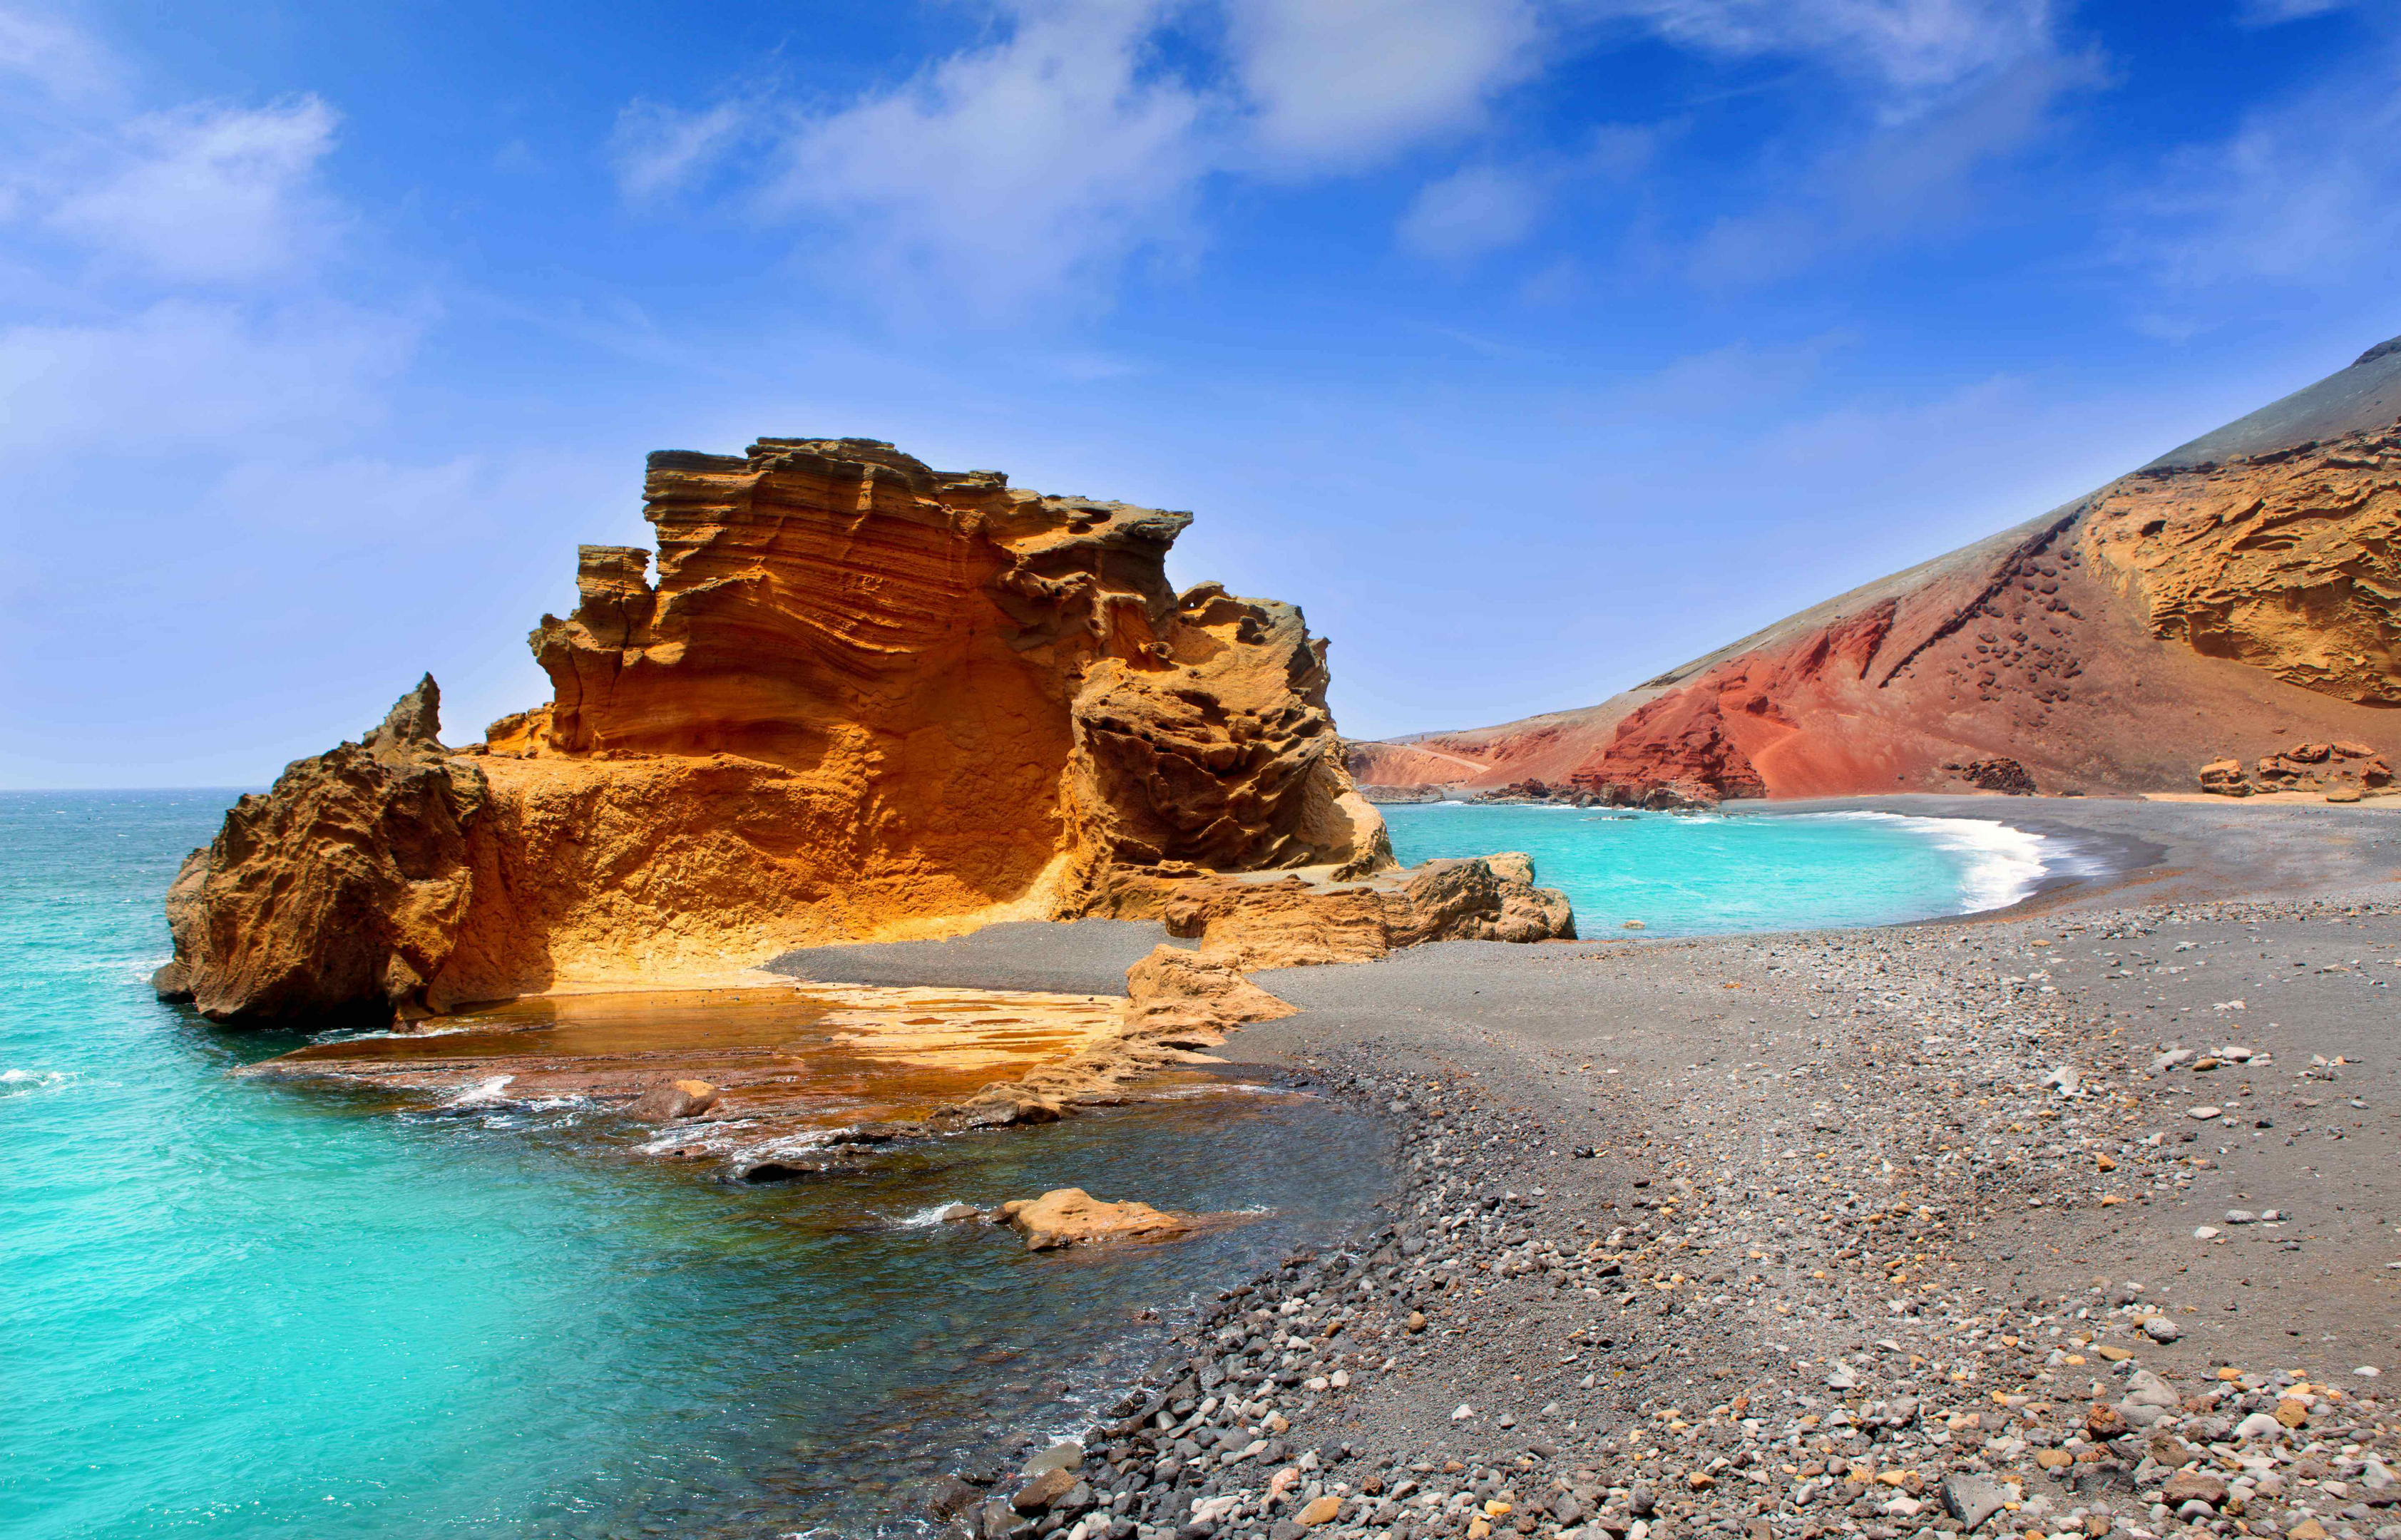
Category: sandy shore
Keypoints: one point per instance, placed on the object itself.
(1839, 1232)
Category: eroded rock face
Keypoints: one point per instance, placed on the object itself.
(2289, 561)
(2240, 590)
(859, 699)
(339, 891)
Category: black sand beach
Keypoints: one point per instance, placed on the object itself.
(1835, 1231)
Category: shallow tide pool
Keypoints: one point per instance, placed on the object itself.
(1700, 874)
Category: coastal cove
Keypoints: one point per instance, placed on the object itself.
(1714, 873)
(367, 1312)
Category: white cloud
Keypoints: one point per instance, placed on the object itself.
(1913, 46)
(1474, 209)
(184, 374)
(1353, 80)
(1003, 175)
(210, 193)
(2307, 191)
(1025, 171)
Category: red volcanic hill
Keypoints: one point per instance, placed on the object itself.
(2236, 597)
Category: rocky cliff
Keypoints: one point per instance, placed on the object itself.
(860, 699)
(2236, 596)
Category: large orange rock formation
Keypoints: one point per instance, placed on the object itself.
(860, 699)
(2236, 596)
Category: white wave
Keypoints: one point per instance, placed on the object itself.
(31, 1080)
(489, 1092)
(930, 1215)
(2002, 865)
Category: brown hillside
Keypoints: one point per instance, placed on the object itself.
(2238, 595)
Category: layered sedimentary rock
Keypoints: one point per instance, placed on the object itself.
(2238, 593)
(860, 698)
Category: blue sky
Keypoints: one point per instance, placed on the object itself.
(1531, 345)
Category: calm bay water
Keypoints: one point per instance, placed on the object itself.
(244, 1308)
(1687, 874)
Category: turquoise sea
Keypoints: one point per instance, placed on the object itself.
(242, 1308)
(1695, 874)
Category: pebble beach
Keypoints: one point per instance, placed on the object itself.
(2068, 1220)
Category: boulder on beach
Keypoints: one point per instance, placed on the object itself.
(1069, 1216)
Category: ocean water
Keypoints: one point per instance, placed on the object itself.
(1698, 874)
(238, 1308)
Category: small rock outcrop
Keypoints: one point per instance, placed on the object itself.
(860, 698)
(2006, 776)
(2342, 771)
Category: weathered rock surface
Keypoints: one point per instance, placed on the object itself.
(671, 1099)
(2340, 771)
(861, 699)
(342, 890)
(2236, 593)
(1069, 1216)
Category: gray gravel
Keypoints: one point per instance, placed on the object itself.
(1896, 1232)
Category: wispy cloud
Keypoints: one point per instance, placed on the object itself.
(209, 194)
(1490, 205)
(2270, 13)
(657, 149)
(1912, 47)
(1891, 183)
(1022, 175)
(1331, 82)
(46, 57)
(2306, 191)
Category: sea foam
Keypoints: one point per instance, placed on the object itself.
(1999, 867)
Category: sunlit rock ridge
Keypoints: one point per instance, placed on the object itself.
(2235, 597)
(860, 698)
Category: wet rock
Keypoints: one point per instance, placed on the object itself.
(672, 1099)
(1067, 1454)
(1044, 1488)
